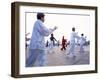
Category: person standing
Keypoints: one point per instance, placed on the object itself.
(37, 42)
(64, 43)
(82, 42)
(52, 39)
(72, 42)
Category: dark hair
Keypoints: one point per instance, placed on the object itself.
(73, 29)
(82, 34)
(52, 34)
(39, 15)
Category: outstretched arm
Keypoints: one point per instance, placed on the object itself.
(55, 39)
(77, 36)
(45, 31)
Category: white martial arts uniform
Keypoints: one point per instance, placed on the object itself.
(37, 44)
(82, 42)
(74, 36)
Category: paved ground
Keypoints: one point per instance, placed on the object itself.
(56, 57)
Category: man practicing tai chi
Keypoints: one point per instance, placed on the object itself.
(37, 42)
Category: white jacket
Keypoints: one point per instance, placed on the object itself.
(82, 40)
(39, 32)
(74, 36)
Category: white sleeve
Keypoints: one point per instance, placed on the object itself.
(43, 30)
(76, 36)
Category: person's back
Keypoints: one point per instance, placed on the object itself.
(37, 39)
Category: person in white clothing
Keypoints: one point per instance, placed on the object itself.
(74, 36)
(82, 42)
(37, 42)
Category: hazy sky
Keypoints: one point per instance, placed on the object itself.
(64, 22)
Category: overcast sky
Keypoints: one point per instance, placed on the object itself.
(64, 22)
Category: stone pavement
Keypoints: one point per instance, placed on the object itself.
(56, 57)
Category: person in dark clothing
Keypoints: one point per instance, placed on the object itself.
(52, 39)
(64, 43)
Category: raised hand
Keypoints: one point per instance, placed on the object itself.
(55, 27)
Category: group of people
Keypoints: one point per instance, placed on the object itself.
(37, 42)
(73, 37)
